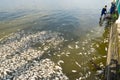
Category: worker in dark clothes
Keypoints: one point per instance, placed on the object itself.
(104, 11)
(113, 7)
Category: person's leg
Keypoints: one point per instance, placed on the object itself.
(101, 15)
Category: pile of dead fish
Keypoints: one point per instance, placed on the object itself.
(20, 61)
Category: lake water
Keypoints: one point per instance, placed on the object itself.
(74, 24)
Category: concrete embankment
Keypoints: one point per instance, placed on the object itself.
(113, 48)
(113, 61)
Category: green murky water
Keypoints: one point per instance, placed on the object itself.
(84, 39)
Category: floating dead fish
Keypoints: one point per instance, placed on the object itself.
(104, 56)
(80, 78)
(83, 48)
(58, 55)
(78, 64)
(92, 49)
(63, 53)
(74, 71)
(46, 48)
(60, 61)
(106, 48)
(80, 53)
(89, 72)
(65, 40)
(85, 53)
(70, 47)
(67, 53)
(49, 54)
(97, 45)
(22, 42)
(105, 40)
(77, 42)
(76, 46)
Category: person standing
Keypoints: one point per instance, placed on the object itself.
(113, 7)
(103, 15)
(104, 11)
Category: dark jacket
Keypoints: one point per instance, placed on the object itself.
(104, 11)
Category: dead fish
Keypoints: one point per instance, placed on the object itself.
(70, 47)
(60, 61)
(78, 64)
(76, 46)
(74, 71)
